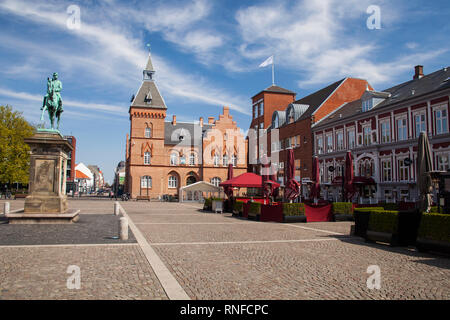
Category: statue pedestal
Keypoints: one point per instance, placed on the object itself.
(47, 200)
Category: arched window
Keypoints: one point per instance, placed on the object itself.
(225, 160)
(173, 182)
(275, 123)
(146, 182)
(147, 157)
(148, 132)
(216, 181)
(173, 159)
(291, 116)
(192, 159)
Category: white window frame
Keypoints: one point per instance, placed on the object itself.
(386, 169)
(404, 126)
(147, 157)
(367, 142)
(420, 114)
(173, 159)
(439, 164)
(402, 166)
(144, 182)
(192, 159)
(436, 109)
(329, 147)
(148, 132)
(385, 127)
(340, 144)
(319, 144)
(349, 131)
(173, 182)
(216, 181)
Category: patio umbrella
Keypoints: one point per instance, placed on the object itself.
(424, 167)
(292, 188)
(349, 175)
(315, 189)
(273, 177)
(229, 190)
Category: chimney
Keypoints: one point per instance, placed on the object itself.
(174, 120)
(210, 120)
(418, 72)
(201, 121)
(226, 110)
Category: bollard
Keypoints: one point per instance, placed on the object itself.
(116, 208)
(123, 228)
(6, 208)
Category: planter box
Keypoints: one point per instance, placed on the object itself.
(343, 217)
(246, 207)
(361, 223)
(372, 236)
(424, 245)
(272, 212)
(288, 219)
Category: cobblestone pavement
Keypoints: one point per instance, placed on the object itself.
(256, 260)
(107, 272)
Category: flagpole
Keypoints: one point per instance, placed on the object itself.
(273, 73)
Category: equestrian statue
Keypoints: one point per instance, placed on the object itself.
(52, 101)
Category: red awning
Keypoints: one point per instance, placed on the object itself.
(363, 180)
(245, 180)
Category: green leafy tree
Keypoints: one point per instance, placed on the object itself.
(14, 158)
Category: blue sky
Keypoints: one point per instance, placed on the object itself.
(206, 55)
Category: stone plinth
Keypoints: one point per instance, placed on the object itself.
(47, 185)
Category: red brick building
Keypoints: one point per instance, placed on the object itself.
(162, 156)
(291, 121)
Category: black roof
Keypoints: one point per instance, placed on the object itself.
(314, 100)
(438, 80)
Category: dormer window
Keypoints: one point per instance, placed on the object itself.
(148, 74)
(367, 105)
(148, 97)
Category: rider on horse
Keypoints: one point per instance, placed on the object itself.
(52, 100)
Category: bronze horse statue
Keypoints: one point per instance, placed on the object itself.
(52, 101)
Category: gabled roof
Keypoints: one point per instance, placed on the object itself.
(429, 83)
(80, 175)
(148, 86)
(315, 100)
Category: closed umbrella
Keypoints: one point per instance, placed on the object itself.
(229, 190)
(424, 167)
(292, 188)
(315, 190)
(273, 177)
(265, 173)
(349, 175)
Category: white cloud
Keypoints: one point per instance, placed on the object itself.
(113, 43)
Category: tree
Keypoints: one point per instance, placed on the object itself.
(14, 157)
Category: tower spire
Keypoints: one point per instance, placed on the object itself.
(149, 71)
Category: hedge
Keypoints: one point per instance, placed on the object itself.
(238, 206)
(383, 221)
(294, 209)
(342, 207)
(368, 209)
(390, 206)
(435, 226)
(434, 209)
(255, 207)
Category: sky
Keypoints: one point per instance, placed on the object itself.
(206, 55)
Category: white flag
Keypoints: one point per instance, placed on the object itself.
(268, 61)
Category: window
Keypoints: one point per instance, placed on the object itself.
(234, 160)
(351, 139)
(216, 181)
(329, 143)
(403, 170)
(183, 159)
(148, 132)
(420, 124)
(319, 145)
(385, 132)
(275, 123)
(291, 116)
(340, 140)
(146, 182)
(254, 111)
(367, 105)
(147, 157)
(442, 161)
(192, 159)
(173, 159)
(366, 136)
(173, 182)
(402, 129)
(260, 110)
(225, 160)
(216, 159)
(387, 170)
(441, 120)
